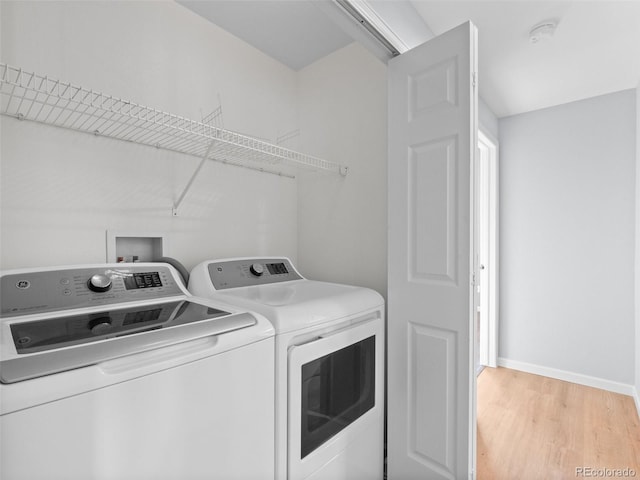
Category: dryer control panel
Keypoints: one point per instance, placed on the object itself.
(49, 290)
(251, 271)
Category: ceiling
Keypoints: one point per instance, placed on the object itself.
(595, 49)
(295, 33)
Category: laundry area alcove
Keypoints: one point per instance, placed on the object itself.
(265, 133)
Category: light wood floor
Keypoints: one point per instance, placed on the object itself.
(532, 427)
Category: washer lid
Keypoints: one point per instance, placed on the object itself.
(15, 368)
(52, 333)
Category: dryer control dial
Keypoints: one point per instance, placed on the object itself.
(99, 283)
(257, 269)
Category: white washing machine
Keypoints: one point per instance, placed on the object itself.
(329, 364)
(116, 372)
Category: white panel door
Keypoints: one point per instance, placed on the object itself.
(431, 299)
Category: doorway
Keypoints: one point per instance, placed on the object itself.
(488, 233)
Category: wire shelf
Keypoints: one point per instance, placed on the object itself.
(39, 98)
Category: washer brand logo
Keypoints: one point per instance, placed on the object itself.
(23, 284)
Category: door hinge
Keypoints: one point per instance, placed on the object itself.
(474, 79)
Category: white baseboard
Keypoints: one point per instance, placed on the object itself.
(636, 397)
(572, 377)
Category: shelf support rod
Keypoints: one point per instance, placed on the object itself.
(191, 180)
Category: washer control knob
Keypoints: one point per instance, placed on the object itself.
(257, 269)
(100, 326)
(99, 283)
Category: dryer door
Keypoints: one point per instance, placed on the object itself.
(335, 385)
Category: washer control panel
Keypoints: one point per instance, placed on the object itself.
(251, 271)
(31, 292)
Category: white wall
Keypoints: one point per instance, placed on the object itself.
(567, 178)
(62, 190)
(343, 117)
(487, 119)
(343, 221)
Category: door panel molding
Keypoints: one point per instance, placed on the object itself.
(433, 211)
(430, 436)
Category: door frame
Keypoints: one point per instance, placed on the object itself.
(489, 330)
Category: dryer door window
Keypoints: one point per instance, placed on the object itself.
(337, 389)
(335, 397)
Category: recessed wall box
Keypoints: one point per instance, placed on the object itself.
(134, 247)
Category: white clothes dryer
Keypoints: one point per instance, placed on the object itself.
(114, 371)
(329, 356)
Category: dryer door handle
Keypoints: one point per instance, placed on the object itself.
(335, 340)
(361, 322)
